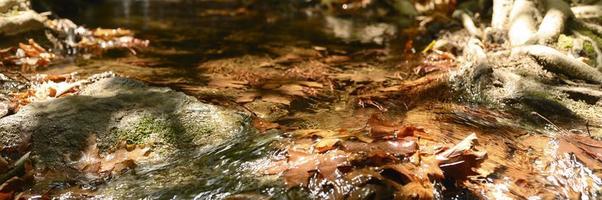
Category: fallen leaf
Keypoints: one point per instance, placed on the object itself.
(302, 165)
(123, 158)
(227, 83)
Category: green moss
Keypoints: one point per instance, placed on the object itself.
(589, 50)
(565, 42)
(142, 131)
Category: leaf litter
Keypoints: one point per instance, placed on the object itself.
(382, 153)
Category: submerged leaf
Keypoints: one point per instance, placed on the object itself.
(93, 162)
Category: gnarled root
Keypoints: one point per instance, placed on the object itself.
(523, 24)
(553, 23)
(501, 12)
(587, 12)
(556, 61)
(468, 23)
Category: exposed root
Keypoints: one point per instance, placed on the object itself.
(553, 23)
(523, 24)
(556, 61)
(468, 23)
(587, 12)
(581, 90)
(595, 28)
(501, 12)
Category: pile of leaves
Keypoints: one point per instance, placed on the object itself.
(28, 56)
(319, 73)
(45, 87)
(79, 40)
(279, 80)
(383, 160)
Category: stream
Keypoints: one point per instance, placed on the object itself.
(234, 53)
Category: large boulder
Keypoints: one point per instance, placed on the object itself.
(115, 110)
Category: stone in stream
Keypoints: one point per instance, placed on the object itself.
(17, 17)
(114, 110)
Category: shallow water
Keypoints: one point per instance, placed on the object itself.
(194, 43)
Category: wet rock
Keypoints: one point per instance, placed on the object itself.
(4, 106)
(17, 17)
(117, 110)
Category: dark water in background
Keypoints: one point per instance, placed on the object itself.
(204, 29)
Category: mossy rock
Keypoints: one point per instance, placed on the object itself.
(117, 110)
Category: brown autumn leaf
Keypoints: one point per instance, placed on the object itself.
(328, 139)
(227, 83)
(459, 161)
(27, 56)
(108, 34)
(288, 59)
(326, 144)
(263, 125)
(586, 149)
(336, 59)
(363, 76)
(93, 162)
(382, 149)
(381, 128)
(436, 61)
(302, 165)
(282, 92)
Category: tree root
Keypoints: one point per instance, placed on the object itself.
(501, 12)
(582, 90)
(522, 22)
(553, 23)
(587, 12)
(556, 61)
(468, 23)
(595, 28)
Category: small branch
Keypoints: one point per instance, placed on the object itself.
(556, 61)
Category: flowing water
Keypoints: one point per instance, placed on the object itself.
(194, 44)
